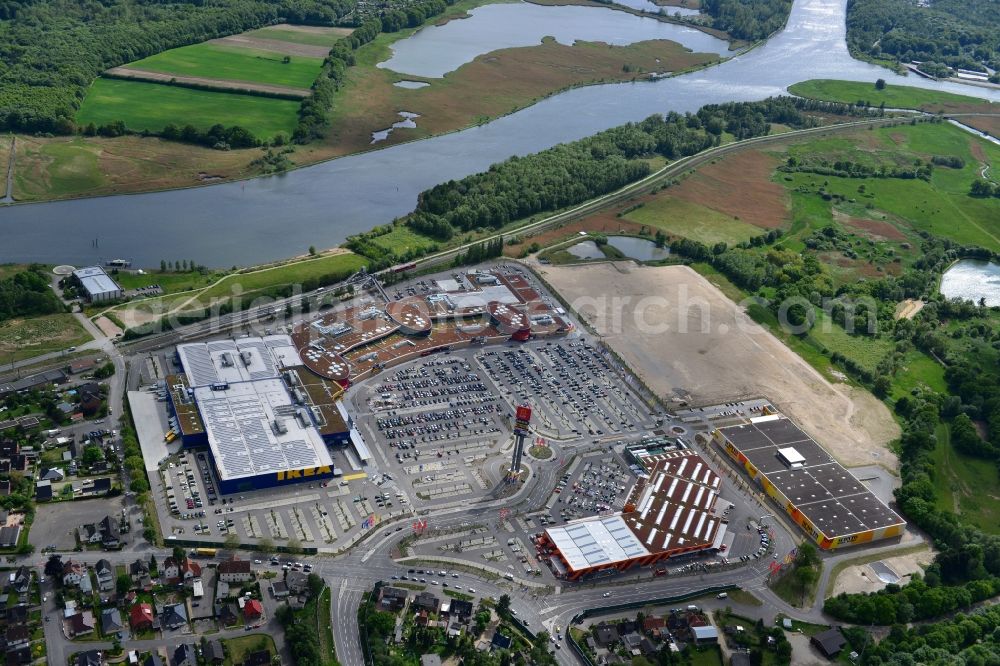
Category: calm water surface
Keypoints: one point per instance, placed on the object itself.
(972, 280)
(281, 216)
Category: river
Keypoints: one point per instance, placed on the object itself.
(280, 216)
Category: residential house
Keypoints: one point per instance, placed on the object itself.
(110, 532)
(16, 636)
(105, 575)
(89, 658)
(279, 590)
(184, 655)
(51, 474)
(173, 616)
(139, 571)
(461, 609)
(81, 365)
(43, 491)
(253, 610)
(79, 623)
(430, 660)
(16, 614)
(140, 617)
(653, 625)
(740, 659)
(235, 571)
(20, 580)
(4, 487)
(500, 642)
(19, 463)
(19, 655)
(153, 660)
(391, 599)
(605, 634)
(297, 582)
(227, 615)
(101, 485)
(631, 642)
(182, 570)
(704, 635)
(73, 572)
(426, 601)
(258, 658)
(213, 652)
(9, 536)
(829, 642)
(111, 621)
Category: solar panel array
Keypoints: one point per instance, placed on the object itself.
(596, 541)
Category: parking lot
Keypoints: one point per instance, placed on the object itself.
(570, 386)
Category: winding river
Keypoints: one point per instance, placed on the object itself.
(280, 216)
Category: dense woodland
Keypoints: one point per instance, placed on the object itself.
(27, 293)
(752, 20)
(51, 50)
(956, 33)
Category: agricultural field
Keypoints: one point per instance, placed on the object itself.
(231, 61)
(679, 217)
(26, 338)
(299, 34)
(152, 106)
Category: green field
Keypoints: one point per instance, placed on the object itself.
(73, 166)
(26, 338)
(238, 648)
(325, 38)
(169, 282)
(292, 273)
(963, 484)
(152, 106)
(214, 61)
(690, 220)
(402, 239)
(893, 96)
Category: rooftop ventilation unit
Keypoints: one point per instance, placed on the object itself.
(227, 360)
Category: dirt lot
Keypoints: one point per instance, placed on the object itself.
(739, 186)
(862, 578)
(221, 84)
(686, 340)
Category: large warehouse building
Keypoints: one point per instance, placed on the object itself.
(235, 397)
(671, 511)
(96, 285)
(833, 507)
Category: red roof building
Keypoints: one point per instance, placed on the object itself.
(253, 610)
(140, 617)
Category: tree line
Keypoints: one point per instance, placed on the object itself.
(26, 293)
(51, 50)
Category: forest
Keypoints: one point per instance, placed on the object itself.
(26, 294)
(574, 172)
(748, 20)
(956, 33)
(51, 50)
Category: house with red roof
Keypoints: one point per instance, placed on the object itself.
(140, 617)
(253, 610)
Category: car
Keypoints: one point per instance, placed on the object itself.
(411, 571)
(434, 582)
(606, 595)
(471, 591)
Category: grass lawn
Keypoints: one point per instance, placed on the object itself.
(70, 167)
(25, 338)
(291, 273)
(313, 36)
(238, 648)
(169, 282)
(324, 628)
(866, 350)
(900, 97)
(745, 598)
(918, 369)
(963, 483)
(9, 270)
(540, 452)
(690, 220)
(232, 63)
(152, 106)
(402, 239)
(706, 656)
(792, 593)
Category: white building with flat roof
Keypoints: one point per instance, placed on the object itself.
(97, 285)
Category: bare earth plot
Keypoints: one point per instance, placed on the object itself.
(273, 45)
(222, 84)
(871, 577)
(686, 340)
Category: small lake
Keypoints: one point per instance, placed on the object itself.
(971, 280)
(407, 122)
(639, 249)
(411, 85)
(653, 8)
(436, 50)
(586, 250)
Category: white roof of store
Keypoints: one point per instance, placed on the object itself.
(593, 542)
(486, 295)
(253, 426)
(96, 281)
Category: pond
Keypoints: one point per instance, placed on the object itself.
(586, 250)
(639, 249)
(411, 85)
(436, 50)
(407, 122)
(972, 280)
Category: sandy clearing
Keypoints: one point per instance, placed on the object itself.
(108, 328)
(862, 578)
(687, 341)
(272, 45)
(909, 308)
(221, 84)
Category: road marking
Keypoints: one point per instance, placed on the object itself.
(352, 477)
